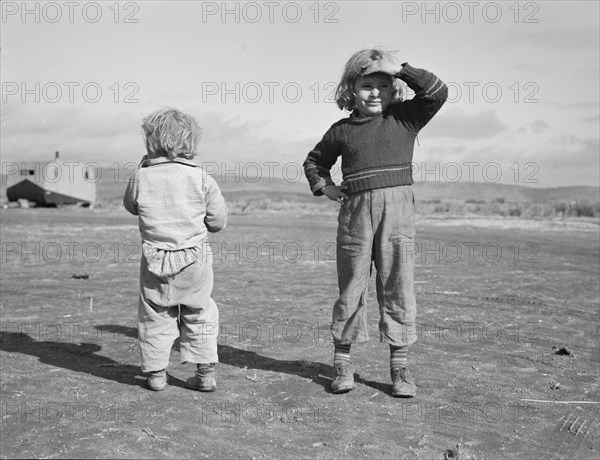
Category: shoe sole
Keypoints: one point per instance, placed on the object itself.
(204, 390)
(404, 395)
(343, 390)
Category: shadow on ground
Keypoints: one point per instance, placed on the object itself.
(84, 357)
(78, 357)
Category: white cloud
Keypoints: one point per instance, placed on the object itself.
(93, 135)
(455, 123)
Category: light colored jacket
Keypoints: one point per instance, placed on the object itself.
(177, 202)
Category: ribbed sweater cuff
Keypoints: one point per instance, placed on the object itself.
(410, 74)
(318, 186)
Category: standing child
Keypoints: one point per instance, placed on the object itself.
(376, 219)
(177, 204)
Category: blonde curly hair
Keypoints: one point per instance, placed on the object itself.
(171, 133)
(353, 70)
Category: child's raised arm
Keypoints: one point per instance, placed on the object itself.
(430, 95)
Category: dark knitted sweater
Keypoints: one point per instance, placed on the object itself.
(377, 151)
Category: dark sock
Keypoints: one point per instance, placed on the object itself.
(398, 356)
(341, 354)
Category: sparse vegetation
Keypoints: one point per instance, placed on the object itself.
(463, 199)
(524, 209)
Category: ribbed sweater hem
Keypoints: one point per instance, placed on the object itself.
(377, 180)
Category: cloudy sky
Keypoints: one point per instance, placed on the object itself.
(259, 76)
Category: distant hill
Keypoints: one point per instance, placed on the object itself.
(431, 197)
(489, 192)
(111, 187)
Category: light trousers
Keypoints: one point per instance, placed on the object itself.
(178, 306)
(376, 226)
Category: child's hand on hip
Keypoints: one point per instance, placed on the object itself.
(334, 193)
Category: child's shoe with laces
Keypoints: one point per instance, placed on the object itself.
(343, 380)
(204, 379)
(403, 384)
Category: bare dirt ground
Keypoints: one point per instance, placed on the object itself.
(497, 300)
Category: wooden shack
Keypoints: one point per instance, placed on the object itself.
(54, 183)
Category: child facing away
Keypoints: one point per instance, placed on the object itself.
(178, 204)
(376, 219)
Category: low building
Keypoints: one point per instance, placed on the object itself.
(53, 183)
